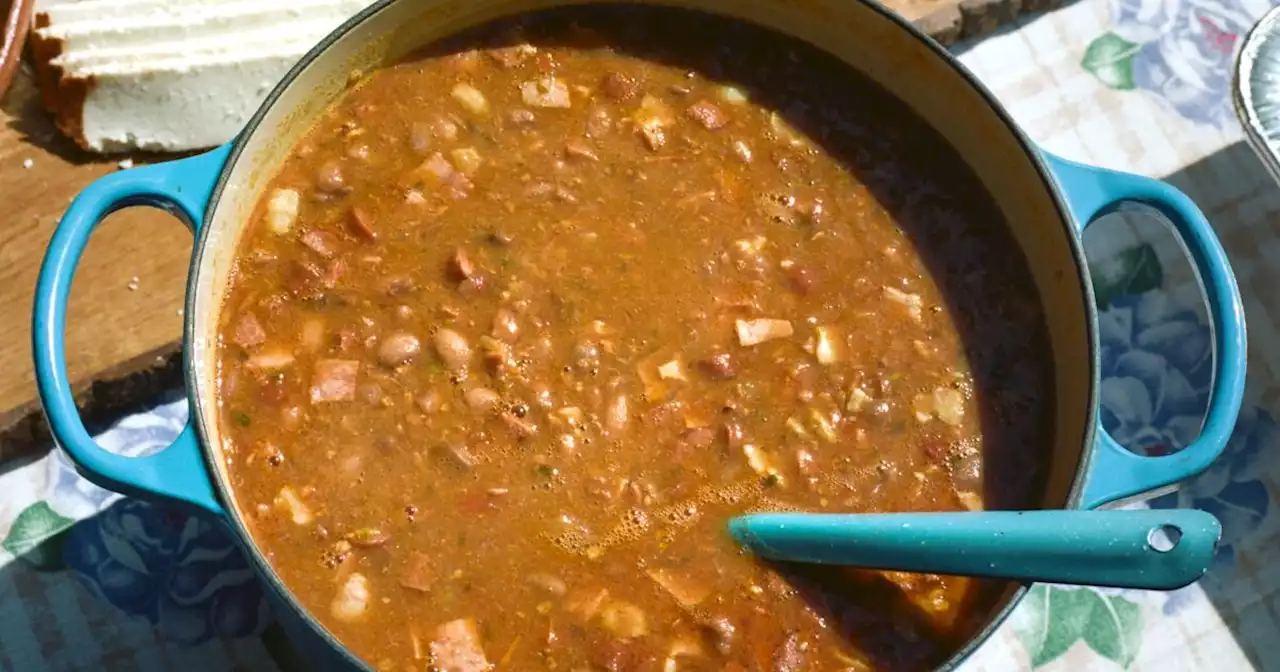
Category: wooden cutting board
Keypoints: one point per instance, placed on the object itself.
(129, 288)
(124, 319)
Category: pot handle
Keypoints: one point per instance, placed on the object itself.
(178, 472)
(1117, 474)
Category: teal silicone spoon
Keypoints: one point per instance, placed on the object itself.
(1160, 549)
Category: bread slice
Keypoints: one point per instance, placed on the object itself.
(169, 75)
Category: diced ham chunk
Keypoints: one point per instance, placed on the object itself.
(707, 114)
(419, 574)
(458, 187)
(360, 223)
(249, 332)
(334, 380)
(322, 243)
(686, 589)
(512, 56)
(545, 92)
(456, 648)
(435, 170)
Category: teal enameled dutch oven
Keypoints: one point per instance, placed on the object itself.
(1046, 200)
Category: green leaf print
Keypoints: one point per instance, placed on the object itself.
(1110, 58)
(1115, 630)
(37, 536)
(1059, 617)
(1134, 271)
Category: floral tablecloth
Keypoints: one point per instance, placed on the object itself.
(89, 580)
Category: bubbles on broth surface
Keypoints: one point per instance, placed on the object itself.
(635, 523)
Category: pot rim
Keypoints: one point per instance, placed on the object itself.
(191, 367)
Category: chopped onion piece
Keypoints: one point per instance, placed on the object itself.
(686, 590)
(466, 160)
(282, 211)
(653, 112)
(784, 131)
(545, 92)
(733, 95)
(922, 405)
(651, 118)
(857, 400)
(913, 303)
(948, 403)
(672, 370)
(352, 599)
(754, 332)
(758, 460)
(470, 98)
(436, 170)
(624, 619)
(945, 403)
(828, 349)
(288, 499)
(570, 415)
(655, 389)
(797, 427)
(826, 428)
(750, 247)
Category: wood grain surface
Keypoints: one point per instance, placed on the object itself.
(124, 319)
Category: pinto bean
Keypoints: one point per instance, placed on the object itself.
(619, 87)
(505, 326)
(460, 266)
(453, 349)
(707, 114)
(481, 399)
(330, 180)
(360, 223)
(398, 349)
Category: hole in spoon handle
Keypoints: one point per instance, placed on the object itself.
(1164, 538)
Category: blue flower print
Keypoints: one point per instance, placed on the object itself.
(1183, 51)
(1157, 360)
(1157, 364)
(1232, 488)
(183, 574)
(134, 436)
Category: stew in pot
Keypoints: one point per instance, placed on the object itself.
(525, 319)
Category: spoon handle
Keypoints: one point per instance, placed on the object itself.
(1124, 549)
